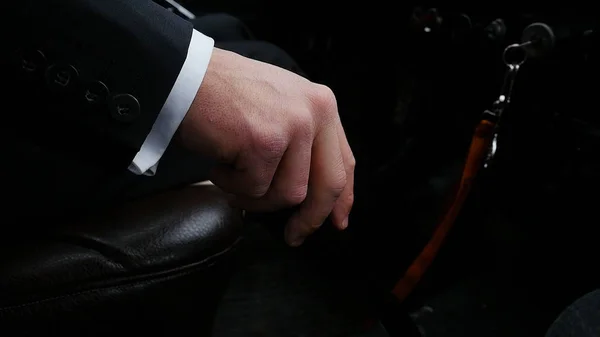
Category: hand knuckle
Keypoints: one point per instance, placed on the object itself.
(259, 190)
(324, 98)
(304, 125)
(271, 145)
(349, 199)
(351, 163)
(295, 196)
(338, 184)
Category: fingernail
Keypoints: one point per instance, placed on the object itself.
(297, 242)
(293, 239)
(345, 223)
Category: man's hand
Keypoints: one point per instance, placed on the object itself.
(278, 139)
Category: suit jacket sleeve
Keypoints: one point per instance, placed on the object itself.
(89, 77)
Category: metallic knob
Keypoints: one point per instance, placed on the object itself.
(496, 30)
(538, 39)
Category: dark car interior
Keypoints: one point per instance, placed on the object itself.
(412, 83)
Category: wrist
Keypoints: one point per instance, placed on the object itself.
(205, 101)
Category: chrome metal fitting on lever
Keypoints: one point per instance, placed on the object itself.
(537, 40)
(513, 57)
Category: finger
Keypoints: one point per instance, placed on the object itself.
(250, 175)
(326, 181)
(290, 183)
(343, 205)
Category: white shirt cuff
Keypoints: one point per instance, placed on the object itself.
(175, 108)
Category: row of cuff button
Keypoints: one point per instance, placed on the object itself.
(65, 77)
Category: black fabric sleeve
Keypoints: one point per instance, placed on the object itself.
(88, 77)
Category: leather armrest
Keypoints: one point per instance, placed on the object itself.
(136, 247)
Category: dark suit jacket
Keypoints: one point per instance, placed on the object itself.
(86, 80)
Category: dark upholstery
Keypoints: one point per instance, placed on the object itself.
(157, 265)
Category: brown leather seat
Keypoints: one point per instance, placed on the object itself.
(158, 265)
